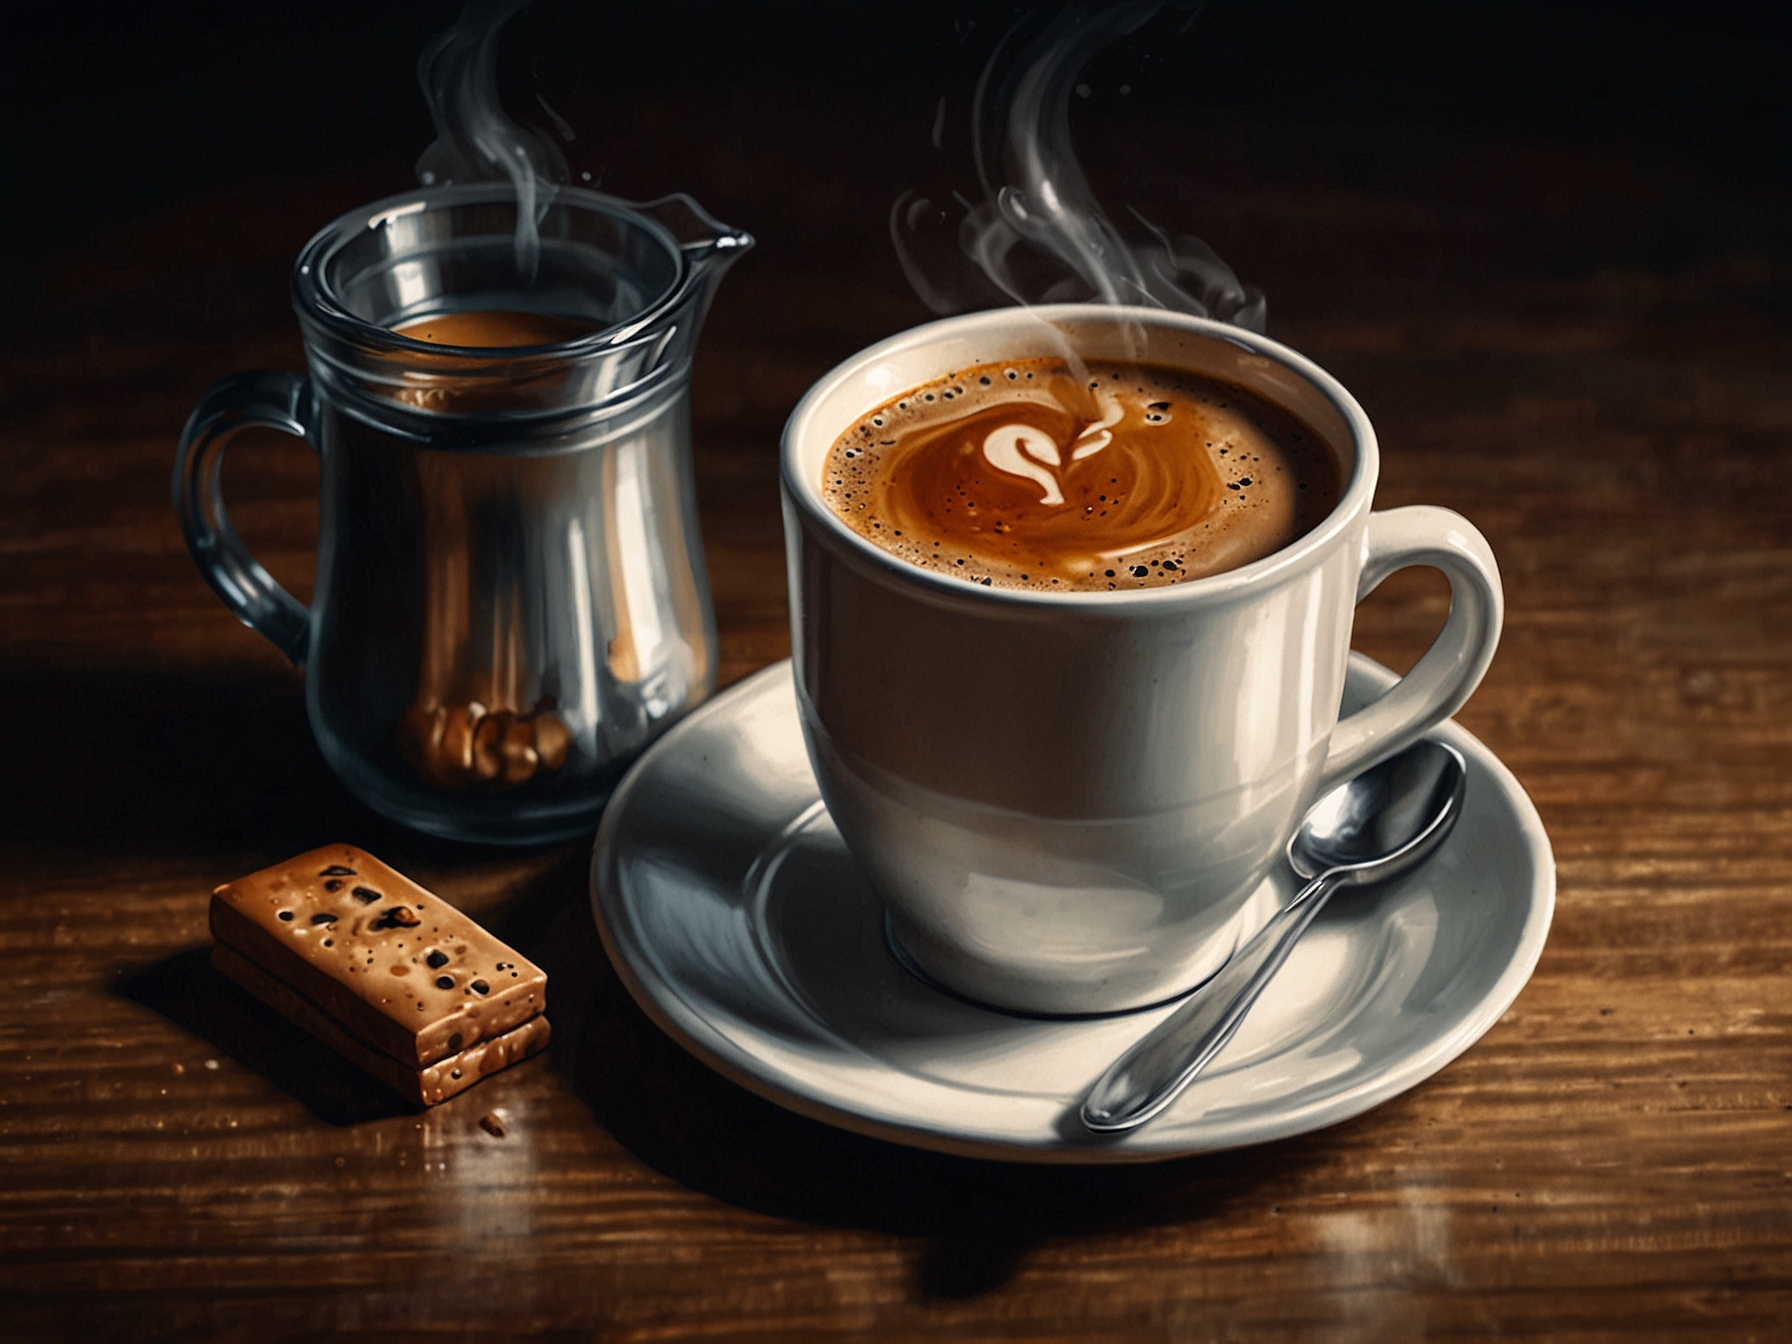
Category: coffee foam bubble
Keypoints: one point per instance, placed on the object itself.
(1027, 475)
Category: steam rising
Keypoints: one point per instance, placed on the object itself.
(475, 141)
(1039, 234)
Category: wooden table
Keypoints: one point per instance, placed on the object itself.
(1583, 348)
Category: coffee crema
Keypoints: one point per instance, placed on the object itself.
(1025, 475)
(495, 329)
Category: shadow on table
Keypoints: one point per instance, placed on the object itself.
(188, 992)
(979, 1218)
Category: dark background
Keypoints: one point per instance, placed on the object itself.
(1549, 248)
(109, 112)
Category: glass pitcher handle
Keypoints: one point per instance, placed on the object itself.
(277, 401)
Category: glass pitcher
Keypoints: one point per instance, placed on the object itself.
(511, 599)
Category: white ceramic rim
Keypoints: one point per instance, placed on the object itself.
(805, 493)
(673, 1013)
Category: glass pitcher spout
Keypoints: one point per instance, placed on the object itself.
(658, 343)
(709, 246)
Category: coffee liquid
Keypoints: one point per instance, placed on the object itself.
(495, 329)
(1023, 475)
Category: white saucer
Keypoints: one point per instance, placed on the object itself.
(738, 920)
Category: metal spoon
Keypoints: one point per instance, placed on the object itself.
(1383, 823)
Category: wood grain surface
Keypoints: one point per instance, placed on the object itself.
(1582, 346)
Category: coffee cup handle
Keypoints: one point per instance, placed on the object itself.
(276, 400)
(1452, 667)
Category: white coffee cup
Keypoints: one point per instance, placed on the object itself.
(1066, 799)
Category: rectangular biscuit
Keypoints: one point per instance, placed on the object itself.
(426, 1086)
(395, 966)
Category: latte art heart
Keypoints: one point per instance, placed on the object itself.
(1023, 475)
(1010, 448)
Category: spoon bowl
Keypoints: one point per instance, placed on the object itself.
(1377, 826)
(1384, 821)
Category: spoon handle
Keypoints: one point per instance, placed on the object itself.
(1152, 1074)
